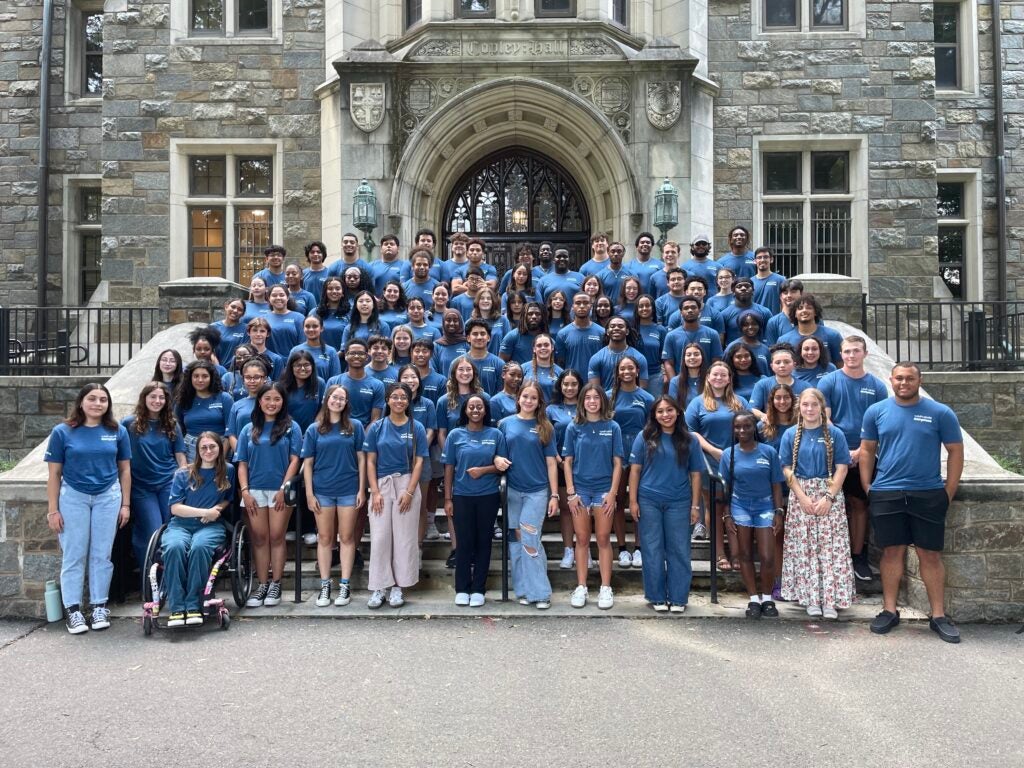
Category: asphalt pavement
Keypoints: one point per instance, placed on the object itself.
(511, 691)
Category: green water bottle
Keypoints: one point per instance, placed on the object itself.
(54, 607)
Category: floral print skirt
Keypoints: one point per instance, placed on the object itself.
(816, 564)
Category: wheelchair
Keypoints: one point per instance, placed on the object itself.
(233, 559)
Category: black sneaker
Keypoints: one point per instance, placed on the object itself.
(885, 622)
(273, 594)
(450, 562)
(945, 629)
(256, 598)
(768, 610)
(76, 622)
(861, 568)
(754, 610)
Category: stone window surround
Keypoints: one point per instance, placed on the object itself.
(974, 265)
(71, 232)
(180, 151)
(968, 50)
(857, 146)
(74, 54)
(856, 23)
(181, 31)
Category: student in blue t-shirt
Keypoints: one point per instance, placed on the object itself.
(199, 494)
(88, 490)
(541, 368)
(532, 481)
(305, 389)
(471, 457)
(325, 357)
(577, 342)
(158, 449)
(664, 483)
(592, 454)
(504, 403)
(304, 301)
(812, 363)
(334, 471)
(561, 412)
(746, 369)
(806, 315)
(268, 458)
(200, 405)
(603, 363)
(364, 321)
(365, 393)
(231, 329)
(424, 411)
(285, 323)
(259, 332)
(817, 571)
(204, 341)
(783, 362)
(254, 375)
(902, 438)
(753, 493)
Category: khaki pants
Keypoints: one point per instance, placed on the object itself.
(394, 536)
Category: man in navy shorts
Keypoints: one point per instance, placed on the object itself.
(908, 499)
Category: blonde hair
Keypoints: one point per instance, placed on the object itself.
(798, 435)
(728, 396)
(545, 430)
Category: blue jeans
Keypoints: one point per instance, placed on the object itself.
(150, 510)
(529, 572)
(188, 547)
(90, 523)
(665, 535)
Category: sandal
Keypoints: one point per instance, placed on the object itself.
(753, 610)
(769, 610)
(724, 564)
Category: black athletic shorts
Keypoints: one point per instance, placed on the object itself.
(909, 517)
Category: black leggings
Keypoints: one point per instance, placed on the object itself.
(474, 524)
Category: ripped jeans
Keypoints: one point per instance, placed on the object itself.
(526, 512)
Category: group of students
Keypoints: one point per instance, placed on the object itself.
(596, 392)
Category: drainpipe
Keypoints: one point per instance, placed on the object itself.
(43, 174)
(997, 77)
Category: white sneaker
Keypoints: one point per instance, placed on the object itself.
(605, 599)
(543, 605)
(578, 599)
(638, 559)
(814, 611)
(462, 598)
(396, 600)
(309, 539)
(523, 601)
(324, 598)
(76, 623)
(289, 536)
(568, 559)
(432, 533)
(625, 561)
(100, 617)
(476, 600)
(700, 532)
(376, 599)
(660, 607)
(677, 608)
(344, 595)
(830, 613)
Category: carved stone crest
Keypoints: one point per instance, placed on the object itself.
(366, 105)
(611, 94)
(663, 103)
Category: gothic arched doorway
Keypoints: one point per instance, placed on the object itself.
(516, 196)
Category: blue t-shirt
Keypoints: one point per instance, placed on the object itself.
(424, 410)
(445, 354)
(313, 281)
(652, 339)
(304, 301)
(691, 388)
(813, 376)
(424, 290)
(335, 459)
(337, 268)
(593, 267)
(714, 426)
(393, 317)
(603, 362)
(666, 305)
(153, 460)
(383, 272)
(254, 309)
(502, 405)
(644, 271)
(812, 461)
(561, 415)
(364, 332)
(778, 327)
(731, 317)
(849, 399)
(490, 370)
(394, 445)
(325, 358)
(206, 414)
(529, 470)
(459, 271)
(760, 351)
(241, 414)
(718, 302)
(545, 377)
(759, 397)
(661, 476)
(334, 329)
(206, 495)
(766, 291)
(433, 385)
(89, 455)
(386, 376)
(592, 446)
(304, 409)
(270, 278)
(448, 418)
(611, 281)
(285, 331)
(741, 266)
(706, 268)
(745, 383)
(830, 337)
(268, 461)
(631, 412)
(754, 472)
(364, 395)
(425, 331)
(464, 304)
(465, 448)
(517, 345)
(569, 284)
(910, 438)
(677, 340)
(574, 346)
(230, 337)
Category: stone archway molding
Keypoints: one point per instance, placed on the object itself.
(523, 111)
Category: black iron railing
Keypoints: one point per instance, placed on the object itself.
(949, 335)
(58, 341)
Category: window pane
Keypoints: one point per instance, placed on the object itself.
(951, 258)
(947, 67)
(255, 176)
(207, 16)
(947, 23)
(207, 176)
(90, 252)
(92, 64)
(830, 238)
(413, 12)
(619, 12)
(517, 217)
(555, 8)
(828, 13)
(207, 242)
(783, 233)
(782, 173)
(253, 15)
(780, 13)
(89, 206)
(93, 23)
(475, 7)
(829, 172)
(253, 230)
(950, 203)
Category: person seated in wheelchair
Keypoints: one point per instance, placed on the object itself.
(199, 495)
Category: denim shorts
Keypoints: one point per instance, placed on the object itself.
(590, 499)
(752, 513)
(336, 501)
(263, 498)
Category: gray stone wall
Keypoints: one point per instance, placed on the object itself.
(989, 405)
(30, 406)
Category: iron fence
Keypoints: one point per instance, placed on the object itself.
(59, 341)
(949, 335)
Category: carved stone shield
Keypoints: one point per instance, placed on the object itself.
(366, 105)
(663, 103)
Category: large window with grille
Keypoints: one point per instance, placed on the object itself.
(952, 211)
(807, 211)
(230, 214)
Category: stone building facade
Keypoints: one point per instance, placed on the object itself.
(184, 136)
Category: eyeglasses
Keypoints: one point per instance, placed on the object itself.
(253, 378)
(209, 447)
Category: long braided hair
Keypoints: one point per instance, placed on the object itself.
(798, 435)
